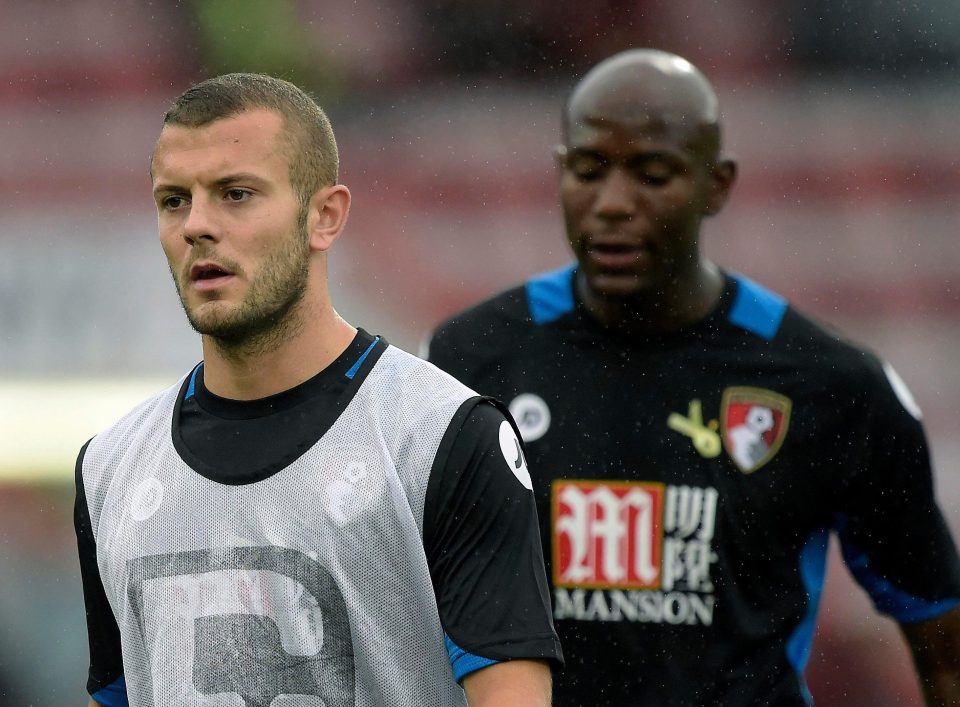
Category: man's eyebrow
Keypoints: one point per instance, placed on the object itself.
(237, 178)
(656, 156)
(584, 152)
(162, 188)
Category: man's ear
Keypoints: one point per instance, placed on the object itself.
(722, 177)
(327, 216)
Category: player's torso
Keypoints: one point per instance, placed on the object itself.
(683, 493)
(311, 584)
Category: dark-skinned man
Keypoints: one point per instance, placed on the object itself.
(694, 440)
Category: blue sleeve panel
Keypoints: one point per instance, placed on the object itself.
(757, 309)
(887, 598)
(550, 295)
(113, 695)
(464, 663)
(813, 570)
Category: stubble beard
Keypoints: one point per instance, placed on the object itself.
(270, 312)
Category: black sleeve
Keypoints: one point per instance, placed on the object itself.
(482, 540)
(892, 533)
(103, 634)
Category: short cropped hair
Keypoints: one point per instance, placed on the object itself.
(312, 147)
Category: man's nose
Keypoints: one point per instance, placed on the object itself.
(616, 197)
(201, 222)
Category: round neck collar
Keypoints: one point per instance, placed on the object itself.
(333, 374)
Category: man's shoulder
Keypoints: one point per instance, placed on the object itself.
(822, 341)
(542, 299)
(803, 340)
(508, 305)
(818, 345)
(406, 376)
(769, 315)
(130, 423)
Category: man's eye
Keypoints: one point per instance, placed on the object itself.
(586, 171)
(174, 202)
(655, 178)
(585, 168)
(654, 172)
(237, 195)
(587, 175)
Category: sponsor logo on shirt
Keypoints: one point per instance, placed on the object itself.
(146, 499)
(531, 415)
(704, 436)
(754, 424)
(633, 551)
(342, 500)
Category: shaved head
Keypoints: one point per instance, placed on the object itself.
(640, 168)
(649, 89)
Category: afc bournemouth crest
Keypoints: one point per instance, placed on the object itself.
(753, 424)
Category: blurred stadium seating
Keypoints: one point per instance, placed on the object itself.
(446, 113)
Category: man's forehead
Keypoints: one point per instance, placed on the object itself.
(253, 126)
(640, 107)
(251, 135)
(653, 130)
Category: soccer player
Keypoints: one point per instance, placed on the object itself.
(310, 514)
(693, 438)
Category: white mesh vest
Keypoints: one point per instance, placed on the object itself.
(308, 588)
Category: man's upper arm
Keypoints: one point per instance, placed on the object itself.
(483, 547)
(105, 675)
(894, 538)
(517, 683)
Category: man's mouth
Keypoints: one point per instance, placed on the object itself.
(619, 255)
(207, 274)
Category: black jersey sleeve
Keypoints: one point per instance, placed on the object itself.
(482, 540)
(103, 634)
(893, 535)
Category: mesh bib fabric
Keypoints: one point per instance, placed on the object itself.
(310, 587)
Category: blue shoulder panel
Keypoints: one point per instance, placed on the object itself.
(113, 695)
(813, 570)
(887, 598)
(757, 309)
(550, 295)
(464, 663)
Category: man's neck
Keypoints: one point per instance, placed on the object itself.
(258, 371)
(682, 303)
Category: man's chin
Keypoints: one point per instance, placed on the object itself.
(215, 322)
(620, 285)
